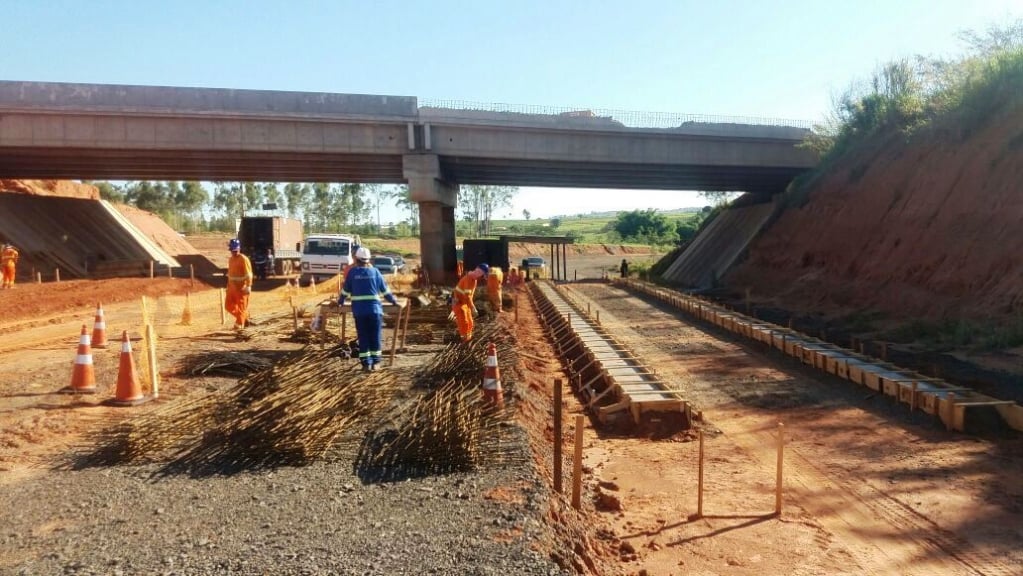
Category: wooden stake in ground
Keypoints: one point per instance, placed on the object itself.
(223, 319)
(186, 313)
(404, 326)
(154, 373)
(394, 336)
(191, 275)
(557, 435)
(577, 464)
(56, 274)
(699, 482)
(781, 457)
(151, 266)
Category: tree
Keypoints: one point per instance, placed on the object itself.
(272, 194)
(526, 214)
(555, 223)
(107, 191)
(252, 196)
(227, 199)
(297, 196)
(645, 226)
(403, 198)
(478, 204)
(147, 196)
(321, 205)
(718, 197)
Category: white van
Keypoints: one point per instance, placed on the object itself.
(327, 255)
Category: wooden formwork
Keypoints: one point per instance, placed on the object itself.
(608, 377)
(934, 396)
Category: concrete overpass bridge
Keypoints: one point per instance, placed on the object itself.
(99, 132)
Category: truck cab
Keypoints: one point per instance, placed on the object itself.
(327, 255)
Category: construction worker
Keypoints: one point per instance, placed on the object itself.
(495, 278)
(463, 309)
(8, 264)
(239, 284)
(365, 285)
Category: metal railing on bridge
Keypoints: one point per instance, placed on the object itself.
(593, 116)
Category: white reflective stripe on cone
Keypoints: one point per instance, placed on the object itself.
(126, 346)
(491, 384)
(84, 339)
(83, 359)
(101, 325)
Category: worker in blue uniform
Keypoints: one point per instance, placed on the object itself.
(365, 286)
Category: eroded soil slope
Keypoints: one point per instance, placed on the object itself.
(925, 226)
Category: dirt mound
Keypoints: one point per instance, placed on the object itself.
(157, 230)
(924, 227)
(64, 188)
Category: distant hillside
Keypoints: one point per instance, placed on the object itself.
(614, 213)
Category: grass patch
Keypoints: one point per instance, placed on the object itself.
(973, 335)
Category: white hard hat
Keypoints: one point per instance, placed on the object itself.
(363, 254)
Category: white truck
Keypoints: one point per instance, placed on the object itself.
(327, 255)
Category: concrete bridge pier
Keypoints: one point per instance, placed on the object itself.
(437, 200)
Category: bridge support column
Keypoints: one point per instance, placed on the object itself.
(437, 200)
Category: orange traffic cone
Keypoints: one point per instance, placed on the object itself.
(129, 391)
(99, 329)
(83, 375)
(492, 392)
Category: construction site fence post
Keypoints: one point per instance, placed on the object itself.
(154, 372)
(151, 266)
(781, 459)
(577, 464)
(557, 436)
(39, 277)
(404, 324)
(699, 481)
(344, 325)
(56, 274)
(191, 275)
(223, 318)
(394, 336)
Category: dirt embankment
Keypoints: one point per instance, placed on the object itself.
(919, 228)
(64, 188)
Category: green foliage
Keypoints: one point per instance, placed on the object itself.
(645, 226)
(907, 94)
(478, 204)
(952, 333)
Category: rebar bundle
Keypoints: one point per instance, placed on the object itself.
(289, 413)
(222, 363)
(465, 362)
(446, 430)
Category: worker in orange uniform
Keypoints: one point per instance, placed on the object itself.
(463, 309)
(495, 280)
(239, 284)
(8, 264)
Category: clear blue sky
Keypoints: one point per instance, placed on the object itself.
(769, 58)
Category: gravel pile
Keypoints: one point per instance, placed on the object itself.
(318, 519)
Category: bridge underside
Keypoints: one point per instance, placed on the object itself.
(489, 171)
(257, 166)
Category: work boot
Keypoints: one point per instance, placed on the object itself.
(367, 368)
